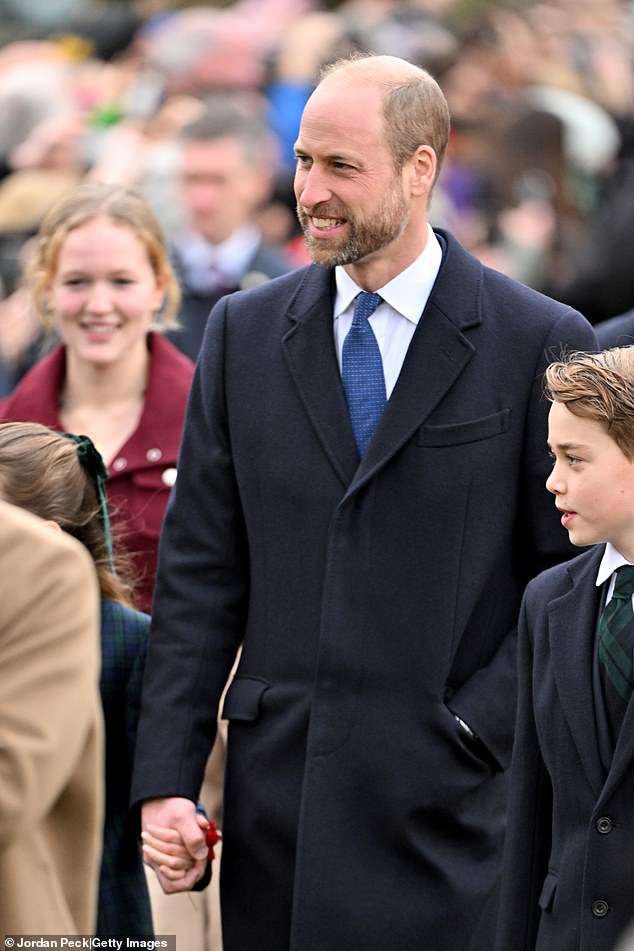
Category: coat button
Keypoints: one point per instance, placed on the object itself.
(604, 825)
(153, 455)
(168, 477)
(119, 464)
(600, 908)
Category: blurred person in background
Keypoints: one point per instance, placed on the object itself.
(225, 175)
(51, 730)
(521, 170)
(25, 197)
(616, 331)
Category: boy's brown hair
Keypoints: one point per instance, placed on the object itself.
(597, 386)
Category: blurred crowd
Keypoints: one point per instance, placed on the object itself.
(538, 182)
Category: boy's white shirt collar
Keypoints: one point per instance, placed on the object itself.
(611, 560)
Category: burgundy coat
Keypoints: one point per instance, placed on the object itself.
(142, 472)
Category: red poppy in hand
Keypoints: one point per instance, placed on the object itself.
(212, 837)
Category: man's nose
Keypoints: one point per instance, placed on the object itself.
(311, 187)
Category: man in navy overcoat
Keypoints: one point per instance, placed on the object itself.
(371, 715)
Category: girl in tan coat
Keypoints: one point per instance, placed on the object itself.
(51, 743)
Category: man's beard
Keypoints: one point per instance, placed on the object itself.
(365, 237)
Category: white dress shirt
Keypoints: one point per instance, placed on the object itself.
(208, 266)
(611, 560)
(395, 319)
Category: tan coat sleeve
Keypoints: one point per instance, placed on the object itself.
(49, 665)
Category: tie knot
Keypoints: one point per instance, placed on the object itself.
(624, 582)
(365, 304)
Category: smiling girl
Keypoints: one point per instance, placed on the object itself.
(102, 280)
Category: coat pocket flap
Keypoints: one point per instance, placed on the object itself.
(472, 430)
(243, 698)
(549, 888)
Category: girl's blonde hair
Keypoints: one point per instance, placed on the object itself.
(41, 471)
(598, 386)
(123, 206)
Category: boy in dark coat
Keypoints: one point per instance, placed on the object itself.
(569, 853)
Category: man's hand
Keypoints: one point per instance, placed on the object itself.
(174, 843)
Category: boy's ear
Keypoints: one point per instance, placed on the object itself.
(52, 524)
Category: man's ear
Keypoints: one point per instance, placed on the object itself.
(422, 171)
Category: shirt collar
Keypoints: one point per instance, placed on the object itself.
(230, 257)
(407, 293)
(611, 560)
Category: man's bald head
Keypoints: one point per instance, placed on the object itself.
(415, 111)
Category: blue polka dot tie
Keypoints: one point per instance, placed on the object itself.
(362, 372)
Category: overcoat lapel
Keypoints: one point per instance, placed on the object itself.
(309, 349)
(437, 355)
(571, 624)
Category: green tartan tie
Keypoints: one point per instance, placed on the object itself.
(616, 646)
